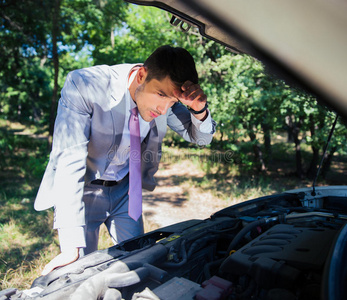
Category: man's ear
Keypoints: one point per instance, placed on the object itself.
(141, 75)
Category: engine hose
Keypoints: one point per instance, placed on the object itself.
(210, 265)
(182, 262)
(199, 244)
(234, 243)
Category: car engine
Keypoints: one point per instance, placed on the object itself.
(286, 246)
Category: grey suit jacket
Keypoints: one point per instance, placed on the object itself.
(87, 132)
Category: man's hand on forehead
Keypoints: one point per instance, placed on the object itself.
(191, 95)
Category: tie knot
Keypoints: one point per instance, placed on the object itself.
(134, 111)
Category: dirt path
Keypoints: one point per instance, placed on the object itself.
(174, 200)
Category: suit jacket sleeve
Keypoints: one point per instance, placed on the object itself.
(67, 165)
(180, 120)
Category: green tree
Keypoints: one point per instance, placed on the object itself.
(245, 103)
(23, 51)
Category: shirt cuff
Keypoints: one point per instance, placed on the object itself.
(203, 126)
(71, 238)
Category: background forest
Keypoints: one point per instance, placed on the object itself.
(266, 128)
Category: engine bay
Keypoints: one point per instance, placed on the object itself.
(269, 248)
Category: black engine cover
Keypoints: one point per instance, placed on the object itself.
(278, 256)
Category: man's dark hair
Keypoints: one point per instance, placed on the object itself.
(177, 63)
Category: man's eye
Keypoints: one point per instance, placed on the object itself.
(162, 95)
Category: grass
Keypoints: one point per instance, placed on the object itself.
(223, 177)
(27, 240)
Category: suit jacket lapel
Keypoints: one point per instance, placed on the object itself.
(117, 98)
(118, 116)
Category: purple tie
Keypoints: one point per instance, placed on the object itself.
(135, 182)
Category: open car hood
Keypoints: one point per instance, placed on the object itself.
(305, 42)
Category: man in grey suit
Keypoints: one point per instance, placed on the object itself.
(86, 180)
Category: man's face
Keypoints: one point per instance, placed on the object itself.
(155, 97)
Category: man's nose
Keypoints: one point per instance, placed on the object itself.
(163, 107)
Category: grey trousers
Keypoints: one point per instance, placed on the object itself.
(108, 205)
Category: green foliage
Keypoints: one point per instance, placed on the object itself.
(26, 96)
(24, 82)
(93, 23)
(248, 104)
(241, 94)
(5, 147)
(142, 31)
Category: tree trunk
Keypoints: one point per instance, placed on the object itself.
(299, 171)
(112, 37)
(55, 34)
(295, 130)
(312, 170)
(289, 123)
(221, 142)
(257, 151)
(327, 162)
(267, 142)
